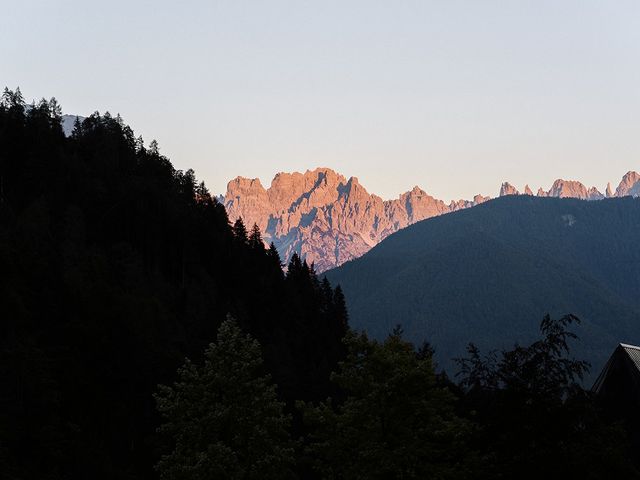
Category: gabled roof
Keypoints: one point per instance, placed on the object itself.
(629, 355)
(633, 352)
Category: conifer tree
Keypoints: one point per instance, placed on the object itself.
(273, 254)
(340, 308)
(327, 291)
(77, 128)
(294, 269)
(255, 239)
(240, 231)
(55, 110)
(139, 145)
(154, 149)
(202, 194)
(224, 416)
(5, 101)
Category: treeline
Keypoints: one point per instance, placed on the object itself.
(519, 413)
(114, 267)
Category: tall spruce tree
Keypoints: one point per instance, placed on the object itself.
(240, 231)
(274, 256)
(224, 416)
(255, 239)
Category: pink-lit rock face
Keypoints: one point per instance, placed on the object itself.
(325, 217)
(629, 185)
(329, 219)
(508, 189)
(568, 189)
(573, 189)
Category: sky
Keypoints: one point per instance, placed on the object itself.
(453, 96)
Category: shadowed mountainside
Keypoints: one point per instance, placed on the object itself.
(489, 273)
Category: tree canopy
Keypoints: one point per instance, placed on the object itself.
(224, 416)
(534, 418)
(397, 420)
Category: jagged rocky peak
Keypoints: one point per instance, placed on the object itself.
(353, 187)
(415, 192)
(420, 205)
(567, 189)
(329, 219)
(286, 188)
(416, 195)
(609, 191)
(629, 185)
(594, 194)
(244, 184)
(508, 189)
(478, 199)
(249, 196)
(573, 189)
(325, 217)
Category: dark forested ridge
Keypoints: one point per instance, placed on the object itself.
(489, 273)
(114, 267)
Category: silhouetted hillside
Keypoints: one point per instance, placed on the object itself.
(114, 266)
(487, 274)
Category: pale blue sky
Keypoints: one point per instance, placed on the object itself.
(455, 96)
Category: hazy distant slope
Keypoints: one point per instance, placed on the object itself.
(68, 122)
(488, 274)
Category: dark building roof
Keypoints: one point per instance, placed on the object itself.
(633, 352)
(617, 389)
(624, 361)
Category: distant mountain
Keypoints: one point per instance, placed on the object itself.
(68, 122)
(488, 275)
(329, 219)
(325, 217)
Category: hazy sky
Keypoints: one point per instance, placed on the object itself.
(455, 96)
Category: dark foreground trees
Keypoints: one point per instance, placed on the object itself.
(397, 420)
(519, 413)
(114, 266)
(533, 418)
(224, 417)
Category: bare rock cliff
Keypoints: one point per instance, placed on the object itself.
(325, 217)
(329, 219)
(629, 185)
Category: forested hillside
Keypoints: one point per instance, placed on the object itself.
(489, 273)
(114, 267)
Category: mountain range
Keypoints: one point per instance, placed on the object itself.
(490, 273)
(328, 219)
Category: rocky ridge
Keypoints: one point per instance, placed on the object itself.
(329, 219)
